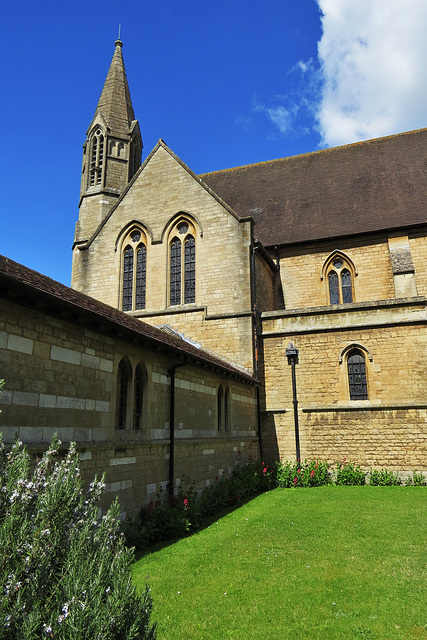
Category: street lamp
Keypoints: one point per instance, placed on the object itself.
(292, 356)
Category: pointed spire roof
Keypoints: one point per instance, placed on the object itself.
(115, 104)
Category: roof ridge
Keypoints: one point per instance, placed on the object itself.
(312, 153)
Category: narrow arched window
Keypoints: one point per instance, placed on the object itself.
(356, 369)
(190, 270)
(138, 399)
(219, 408)
(134, 271)
(127, 278)
(140, 276)
(339, 282)
(227, 409)
(122, 391)
(175, 275)
(182, 285)
(96, 158)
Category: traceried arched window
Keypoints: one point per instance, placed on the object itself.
(182, 251)
(97, 149)
(339, 273)
(134, 271)
(122, 394)
(356, 370)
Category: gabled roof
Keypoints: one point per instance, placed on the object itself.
(365, 187)
(115, 104)
(32, 289)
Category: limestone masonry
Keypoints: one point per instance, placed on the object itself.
(167, 359)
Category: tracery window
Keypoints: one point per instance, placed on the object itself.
(182, 264)
(134, 269)
(96, 158)
(356, 370)
(227, 409)
(340, 280)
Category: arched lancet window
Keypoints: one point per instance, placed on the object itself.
(138, 398)
(356, 370)
(122, 394)
(219, 408)
(134, 270)
(227, 409)
(96, 158)
(339, 272)
(182, 264)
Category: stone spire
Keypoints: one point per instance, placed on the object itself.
(115, 103)
(112, 151)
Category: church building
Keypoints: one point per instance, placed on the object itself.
(207, 312)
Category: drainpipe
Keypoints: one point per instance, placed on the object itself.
(171, 372)
(255, 345)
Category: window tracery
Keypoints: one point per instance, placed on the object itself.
(182, 252)
(134, 271)
(339, 272)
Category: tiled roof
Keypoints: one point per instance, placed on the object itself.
(29, 287)
(364, 187)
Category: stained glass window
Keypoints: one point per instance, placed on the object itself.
(175, 275)
(334, 296)
(357, 376)
(190, 270)
(127, 278)
(347, 294)
(141, 272)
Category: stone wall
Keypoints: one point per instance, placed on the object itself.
(60, 376)
(389, 428)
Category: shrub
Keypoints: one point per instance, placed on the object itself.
(384, 478)
(175, 517)
(417, 480)
(302, 474)
(64, 573)
(349, 474)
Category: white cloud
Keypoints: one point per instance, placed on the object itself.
(373, 57)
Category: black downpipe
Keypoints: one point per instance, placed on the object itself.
(171, 372)
(255, 346)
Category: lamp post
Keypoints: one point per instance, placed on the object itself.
(292, 356)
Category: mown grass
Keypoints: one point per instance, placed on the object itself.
(325, 563)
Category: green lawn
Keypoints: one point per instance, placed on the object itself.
(305, 564)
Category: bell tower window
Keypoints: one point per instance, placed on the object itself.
(96, 159)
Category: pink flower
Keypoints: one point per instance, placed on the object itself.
(185, 503)
(312, 474)
(264, 470)
(295, 480)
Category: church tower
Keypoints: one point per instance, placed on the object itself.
(111, 153)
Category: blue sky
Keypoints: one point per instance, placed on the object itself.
(224, 83)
